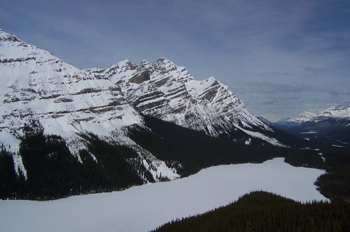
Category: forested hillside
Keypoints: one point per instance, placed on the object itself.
(53, 172)
(335, 184)
(261, 211)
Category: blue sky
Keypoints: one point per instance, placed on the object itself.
(280, 57)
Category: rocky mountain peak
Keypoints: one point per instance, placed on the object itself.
(4, 36)
(143, 66)
(164, 65)
(339, 112)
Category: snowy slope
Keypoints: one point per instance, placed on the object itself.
(63, 98)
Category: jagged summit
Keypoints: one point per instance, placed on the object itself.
(4, 36)
(168, 92)
(164, 65)
(64, 99)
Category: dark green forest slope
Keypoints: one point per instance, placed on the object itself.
(196, 150)
(335, 183)
(53, 172)
(261, 211)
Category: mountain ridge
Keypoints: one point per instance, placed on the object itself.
(339, 111)
(330, 126)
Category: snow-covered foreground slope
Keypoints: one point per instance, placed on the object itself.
(145, 207)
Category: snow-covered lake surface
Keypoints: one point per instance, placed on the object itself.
(146, 207)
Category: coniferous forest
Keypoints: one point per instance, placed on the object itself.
(335, 183)
(262, 211)
(53, 172)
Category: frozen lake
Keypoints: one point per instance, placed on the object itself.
(144, 208)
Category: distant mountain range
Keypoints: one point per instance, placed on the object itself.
(340, 112)
(330, 126)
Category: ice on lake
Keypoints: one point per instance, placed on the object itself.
(144, 208)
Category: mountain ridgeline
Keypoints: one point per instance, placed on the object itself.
(331, 126)
(66, 131)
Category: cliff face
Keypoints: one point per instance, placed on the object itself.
(168, 92)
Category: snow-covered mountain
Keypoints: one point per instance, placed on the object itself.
(66, 100)
(168, 92)
(330, 126)
(38, 89)
(340, 111)
(336, 112)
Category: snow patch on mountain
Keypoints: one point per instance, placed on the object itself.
(19, 167)
(258, 135)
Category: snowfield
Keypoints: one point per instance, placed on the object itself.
(144, 208)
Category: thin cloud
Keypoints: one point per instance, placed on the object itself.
(266, 88)
(276, 101)
(316, 71)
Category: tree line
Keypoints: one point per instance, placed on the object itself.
(262, 211)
